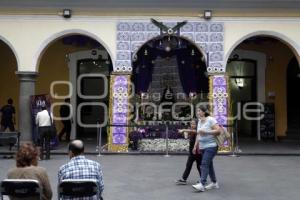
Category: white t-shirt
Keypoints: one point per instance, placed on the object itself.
(43, 118)
(207, 140)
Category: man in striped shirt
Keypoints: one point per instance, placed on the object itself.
(81, 168)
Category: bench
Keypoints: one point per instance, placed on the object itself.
(10, 138)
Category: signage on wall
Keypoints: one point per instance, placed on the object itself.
(267, 124)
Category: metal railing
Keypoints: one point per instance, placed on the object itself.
(235, 142)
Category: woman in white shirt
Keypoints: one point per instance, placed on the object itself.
(207, 130)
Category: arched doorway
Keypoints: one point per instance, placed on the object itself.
(90, 76)
(171, 69)
(8, 68)
(57, 64)
(293, 99)
(271, 55)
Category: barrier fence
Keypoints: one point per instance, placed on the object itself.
(163, 138)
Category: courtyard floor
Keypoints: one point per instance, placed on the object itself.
(149, 177)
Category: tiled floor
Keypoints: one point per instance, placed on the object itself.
(147, 177)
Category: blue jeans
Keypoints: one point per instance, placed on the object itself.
(207, 167)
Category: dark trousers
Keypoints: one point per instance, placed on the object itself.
(45, 137)
(7, 124)
(189, 165)
(66, 129)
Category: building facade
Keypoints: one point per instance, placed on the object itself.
(33, 57)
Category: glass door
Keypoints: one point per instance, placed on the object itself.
(93, 79)
(243, 90)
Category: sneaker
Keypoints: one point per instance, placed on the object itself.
(212, 186)
(181, 182)
(199, 187)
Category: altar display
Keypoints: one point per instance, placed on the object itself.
(167, 68)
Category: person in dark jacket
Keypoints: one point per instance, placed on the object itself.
(8, 116)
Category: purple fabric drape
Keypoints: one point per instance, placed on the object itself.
(190, 68)
(191, 72)
(186, 72)
(142, 70)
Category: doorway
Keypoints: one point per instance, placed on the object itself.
(243, 90)
(293, 99)
(89, 73)
(91, 86)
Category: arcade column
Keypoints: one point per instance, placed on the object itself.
(27, 88)
(119, 112)
(220, 101)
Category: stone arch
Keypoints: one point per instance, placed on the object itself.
(11, 47)
(39, 53)
(280, 102)
(281, 37)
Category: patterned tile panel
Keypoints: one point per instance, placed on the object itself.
(209, 36)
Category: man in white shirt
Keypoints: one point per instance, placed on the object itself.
(44, 122)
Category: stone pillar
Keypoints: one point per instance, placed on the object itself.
(27, 88)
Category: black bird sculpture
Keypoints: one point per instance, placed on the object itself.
(167, 30)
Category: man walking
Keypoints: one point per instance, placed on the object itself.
(8, 116)
(44, 121)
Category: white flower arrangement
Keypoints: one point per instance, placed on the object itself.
(158, 145)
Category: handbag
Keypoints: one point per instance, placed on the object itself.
(52, 127)
(222, 137)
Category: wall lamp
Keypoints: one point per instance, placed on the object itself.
(240, 83)
(207, 14)
(67, 13)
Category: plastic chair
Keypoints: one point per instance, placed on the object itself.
(73, 188)
(21, 188)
